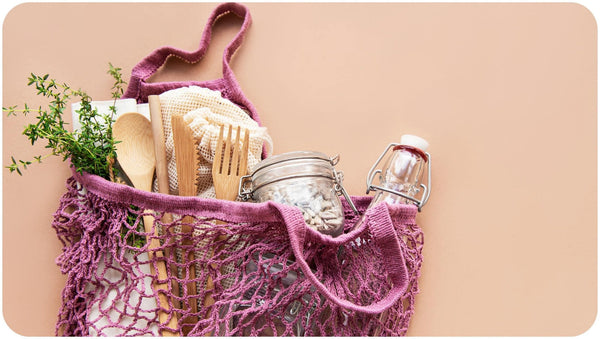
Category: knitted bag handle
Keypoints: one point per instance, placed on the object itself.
(139, 88)
(383, 234)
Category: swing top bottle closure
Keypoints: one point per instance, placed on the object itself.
(401, 178)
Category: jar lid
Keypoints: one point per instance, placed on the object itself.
(296, 155)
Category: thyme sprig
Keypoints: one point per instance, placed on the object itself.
(89, 147)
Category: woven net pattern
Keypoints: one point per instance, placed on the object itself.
(249, 282)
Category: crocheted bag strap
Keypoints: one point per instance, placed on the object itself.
(383, 234)
(140, 89)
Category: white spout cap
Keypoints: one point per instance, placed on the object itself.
(414, 141)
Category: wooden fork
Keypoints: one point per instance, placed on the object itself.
(229, 166)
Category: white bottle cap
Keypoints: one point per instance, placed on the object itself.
(414, 141)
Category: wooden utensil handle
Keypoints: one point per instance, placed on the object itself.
(162, 172)
(208, 298)
(189, 260)
(160, 151)
(163, 301)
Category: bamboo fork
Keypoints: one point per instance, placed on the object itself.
(229, 166)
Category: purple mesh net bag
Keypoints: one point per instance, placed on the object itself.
(249, 269)
(264, 271)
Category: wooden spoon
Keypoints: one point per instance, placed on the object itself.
(135, 153)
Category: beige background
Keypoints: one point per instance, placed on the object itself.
(505, 94)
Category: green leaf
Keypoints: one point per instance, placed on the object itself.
(87, 148)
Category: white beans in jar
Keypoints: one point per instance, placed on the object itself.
(306, 180)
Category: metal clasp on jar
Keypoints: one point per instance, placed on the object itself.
(426, 191)
(339, 188)
(246, 189)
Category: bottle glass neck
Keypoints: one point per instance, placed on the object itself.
(403, 173)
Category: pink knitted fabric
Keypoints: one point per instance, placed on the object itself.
(139, 87)
(272, 275)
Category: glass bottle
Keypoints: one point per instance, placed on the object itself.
(401, 178)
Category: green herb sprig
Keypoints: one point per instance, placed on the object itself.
(89, 147)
